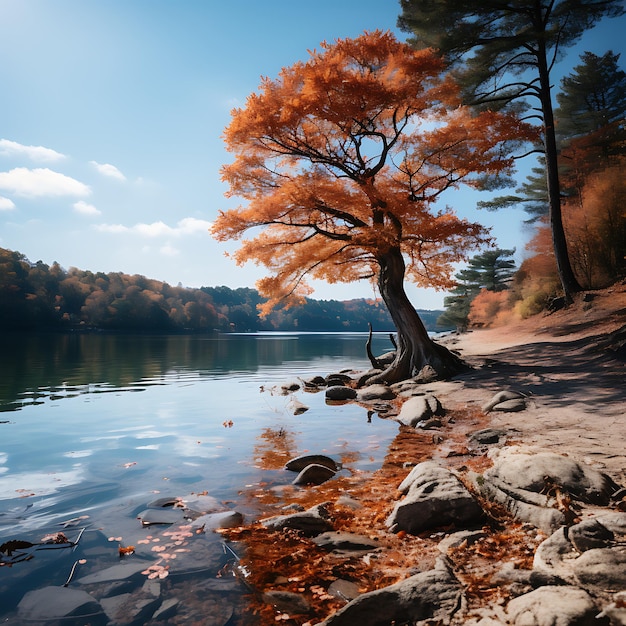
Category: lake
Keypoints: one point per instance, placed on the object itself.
(96, 427)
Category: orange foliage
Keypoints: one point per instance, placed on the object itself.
(595, 224)
(490, 308)
(341, 159)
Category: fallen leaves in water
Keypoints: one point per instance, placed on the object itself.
(55, 538)
(287, 561)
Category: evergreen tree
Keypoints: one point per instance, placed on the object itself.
(592, 97)
(492, 270)
(503, 51)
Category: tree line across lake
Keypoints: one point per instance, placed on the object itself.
(37, 296)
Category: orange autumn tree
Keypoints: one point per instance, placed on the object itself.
(340, 161)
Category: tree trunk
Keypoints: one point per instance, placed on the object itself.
(415, 348)
(564, 268)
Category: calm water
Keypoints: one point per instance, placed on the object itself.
(93, 426)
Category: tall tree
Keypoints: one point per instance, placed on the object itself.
(504, 50)
(341, 160)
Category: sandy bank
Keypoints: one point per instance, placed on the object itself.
(576, 384)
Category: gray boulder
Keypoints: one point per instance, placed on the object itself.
(434, 595)
(419, 408)
(434, 497)
(591, 554)
(554, 606)
(526, 506)
(375, 392)
(544, 472)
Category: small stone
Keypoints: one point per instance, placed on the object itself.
(429, 424)
(487, 436)
(161, 516)
(213, 521)
(313, 474)
(311, 522)
(344, 541)
(500, 397)
(299, 463)
(287, 602)
(344, 590)
(339, 393)
(375, 392)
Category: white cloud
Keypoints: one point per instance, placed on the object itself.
(106, 169)
(41, 182)
(186, 226)
(84, 208)
(6, 204)
(35, 153)
(189, 225)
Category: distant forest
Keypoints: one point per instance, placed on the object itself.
(38, 297)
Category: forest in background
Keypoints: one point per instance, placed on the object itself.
(37, 297)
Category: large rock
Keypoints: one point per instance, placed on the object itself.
(545, 472)
(419, 408)
(591, 554)
(434, 595)
(214, 521)
(434, 497)
(554, 606)
(526, 506)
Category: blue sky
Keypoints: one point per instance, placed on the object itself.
(111, 118)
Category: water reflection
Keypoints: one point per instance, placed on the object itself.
(36, 368)
(102, 423)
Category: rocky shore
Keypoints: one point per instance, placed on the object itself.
(501, 500)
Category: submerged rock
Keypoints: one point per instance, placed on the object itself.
(58, 603)
(287, 601)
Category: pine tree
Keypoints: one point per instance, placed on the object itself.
(504, 51)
